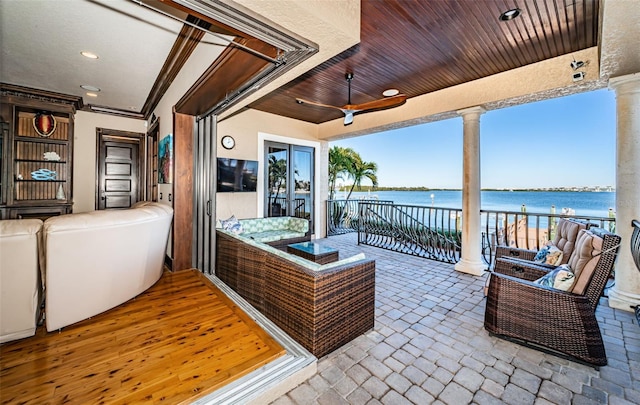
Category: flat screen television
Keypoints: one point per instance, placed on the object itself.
(236, 175)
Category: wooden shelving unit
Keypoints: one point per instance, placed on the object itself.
(37, 170)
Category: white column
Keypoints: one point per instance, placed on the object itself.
(322, 177)
(471, 255)
(626, 291)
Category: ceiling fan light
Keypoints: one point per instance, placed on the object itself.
(391, 92)
(90, 88)
(89, 55)
(510, 14)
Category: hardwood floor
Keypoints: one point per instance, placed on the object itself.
(176, 342)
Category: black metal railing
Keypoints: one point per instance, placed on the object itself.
(436, 232)
(278, 207)
(343, 216)
(433, 233)
(526, 230)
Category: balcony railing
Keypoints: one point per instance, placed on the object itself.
(436, 232)
(278, 207)
(526, 230)
(343, 216)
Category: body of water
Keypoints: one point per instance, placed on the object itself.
(595, 204)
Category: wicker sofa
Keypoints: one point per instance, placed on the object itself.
(320, 306)
(276, 231)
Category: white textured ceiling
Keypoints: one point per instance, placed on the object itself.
(42, 40)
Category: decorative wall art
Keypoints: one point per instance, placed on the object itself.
(44, 174)
(44, 124)
(165, 160)
(52, 156)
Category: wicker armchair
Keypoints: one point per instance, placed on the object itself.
(635, 254)
(560, 322)
(635, 243)
(565, 238)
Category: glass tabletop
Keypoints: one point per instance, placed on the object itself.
(313, 248)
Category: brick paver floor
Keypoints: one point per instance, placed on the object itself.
(429, 346)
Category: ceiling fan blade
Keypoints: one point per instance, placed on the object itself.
(302, 101)
(387, 102)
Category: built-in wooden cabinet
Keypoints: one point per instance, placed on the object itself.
(37, 153)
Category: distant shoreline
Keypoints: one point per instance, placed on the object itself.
(546, 190)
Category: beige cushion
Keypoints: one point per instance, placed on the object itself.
(566, 236)
(20, 286)
(584, 259)
(100, 259)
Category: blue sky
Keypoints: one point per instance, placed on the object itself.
(566, 141)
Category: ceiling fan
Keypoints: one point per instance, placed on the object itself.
(350, 109)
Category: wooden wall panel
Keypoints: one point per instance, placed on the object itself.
(183, 126)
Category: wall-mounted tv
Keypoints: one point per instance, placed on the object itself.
(235, 175)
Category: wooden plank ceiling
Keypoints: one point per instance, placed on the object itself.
(421, 46)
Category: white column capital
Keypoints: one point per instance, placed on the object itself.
(627, 83)
(477, 110)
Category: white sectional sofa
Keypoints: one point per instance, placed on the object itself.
(101, 259)
(20, 284)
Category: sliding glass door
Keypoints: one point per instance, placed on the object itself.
(289, 181)
(204, 208)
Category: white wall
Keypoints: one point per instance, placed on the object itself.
(84, 153)
(250, 129)
(203, 56)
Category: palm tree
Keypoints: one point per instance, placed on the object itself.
(362, 170)
(340, 163)
(277, 175)
(277, 179)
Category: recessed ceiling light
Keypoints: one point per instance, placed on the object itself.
(89, 55)
(390, 92)
(92, 94)
(90, 88)
(510, 14)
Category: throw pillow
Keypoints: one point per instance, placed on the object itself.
(232, 225)
(549, 254)
(554, 257)
(541, 256)
(560, 278)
